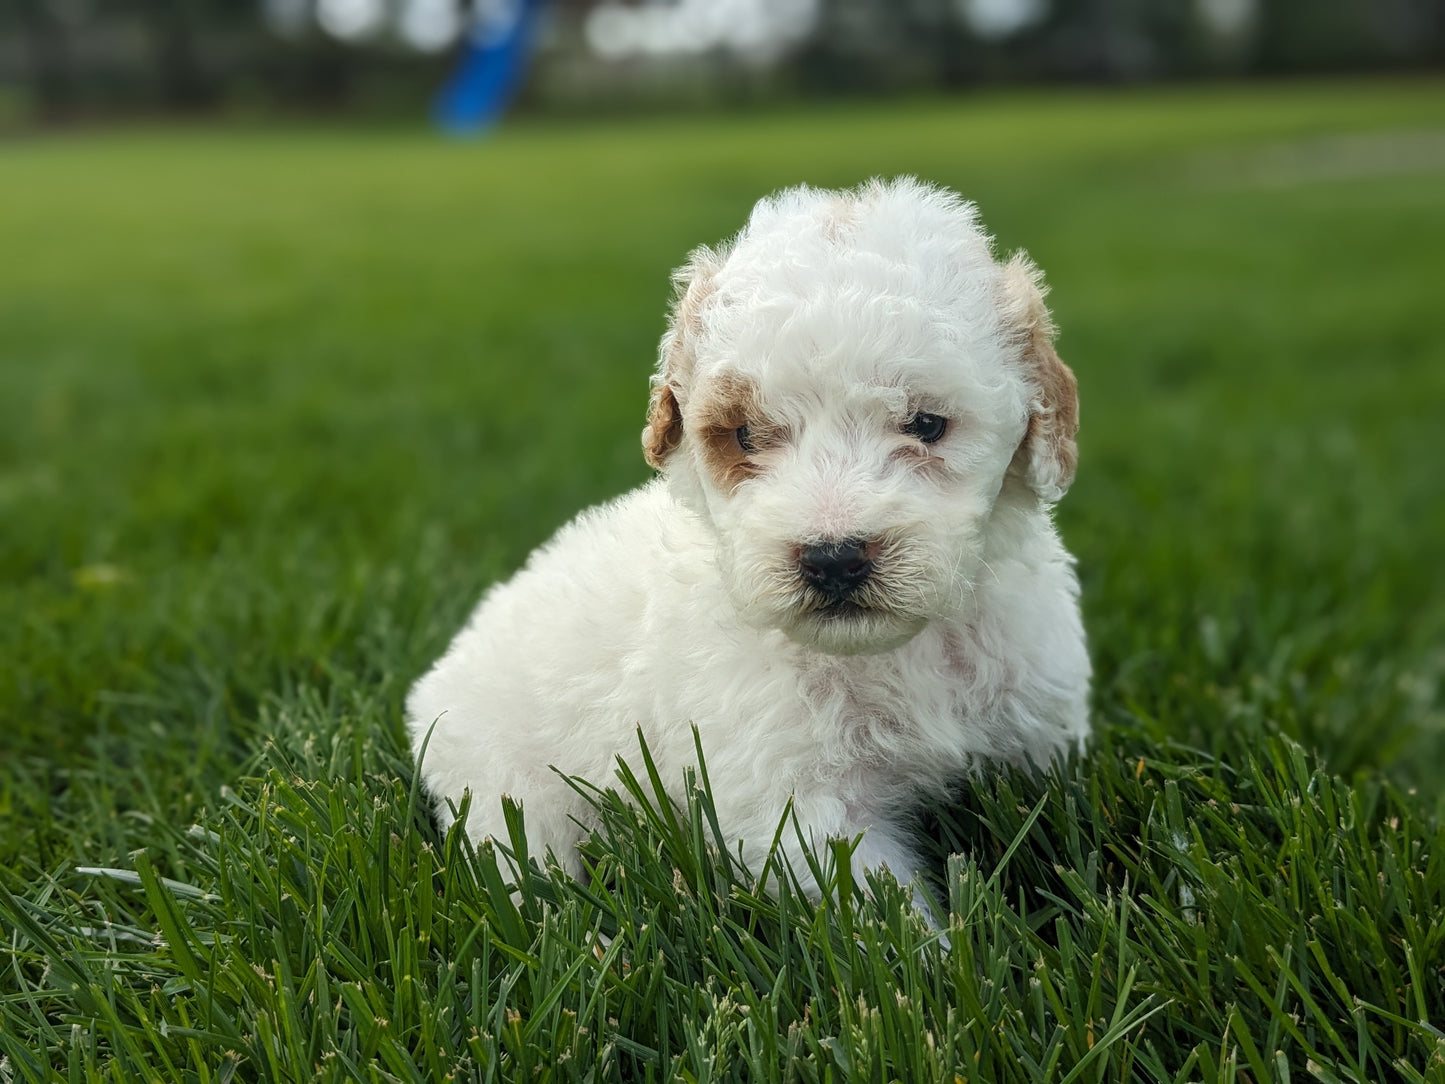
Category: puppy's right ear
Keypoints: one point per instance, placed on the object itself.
(692, 286)
(664, 424)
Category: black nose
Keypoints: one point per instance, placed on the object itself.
(836, 569)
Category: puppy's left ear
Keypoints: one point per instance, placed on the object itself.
(1048, 454)
(692, 286)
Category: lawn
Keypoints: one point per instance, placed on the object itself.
(276, 405)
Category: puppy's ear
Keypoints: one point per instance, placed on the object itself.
(664, 424)
(1048, 454)
(692, 286)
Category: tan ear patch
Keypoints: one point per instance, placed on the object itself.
(664, 425)
(1049, 450)
(1053, 426)
(692, 286)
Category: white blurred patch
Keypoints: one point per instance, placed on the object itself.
(995, 20)
(757, 29)
(351, 20)
(1227, 18)
(429, 26)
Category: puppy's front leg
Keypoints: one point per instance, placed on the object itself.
(882, 847)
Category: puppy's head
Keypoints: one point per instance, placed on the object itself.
(844, 392)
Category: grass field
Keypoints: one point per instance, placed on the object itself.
(276, 405)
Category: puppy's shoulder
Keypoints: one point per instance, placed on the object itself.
(620, 538)
(604, 561)
(570, 608)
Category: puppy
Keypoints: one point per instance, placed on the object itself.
(846, 575)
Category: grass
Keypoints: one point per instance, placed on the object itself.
(275, 406)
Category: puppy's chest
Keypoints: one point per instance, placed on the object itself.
(927, 697)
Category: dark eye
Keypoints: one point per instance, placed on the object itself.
(928, 428)
(745, 440)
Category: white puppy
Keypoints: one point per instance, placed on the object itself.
(847, 576)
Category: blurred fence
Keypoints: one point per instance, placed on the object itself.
(79, 58)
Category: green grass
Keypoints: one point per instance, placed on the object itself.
(275, 406)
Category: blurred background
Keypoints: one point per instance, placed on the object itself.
(287, 377)
(73, 59)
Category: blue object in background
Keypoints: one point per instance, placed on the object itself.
(491, 68)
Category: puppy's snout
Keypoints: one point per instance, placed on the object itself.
(836, 569)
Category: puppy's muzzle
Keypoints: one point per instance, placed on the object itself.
(836, 570)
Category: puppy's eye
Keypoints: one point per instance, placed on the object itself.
(928, 428)
(745, 440)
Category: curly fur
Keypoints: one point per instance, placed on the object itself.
(829, 321)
